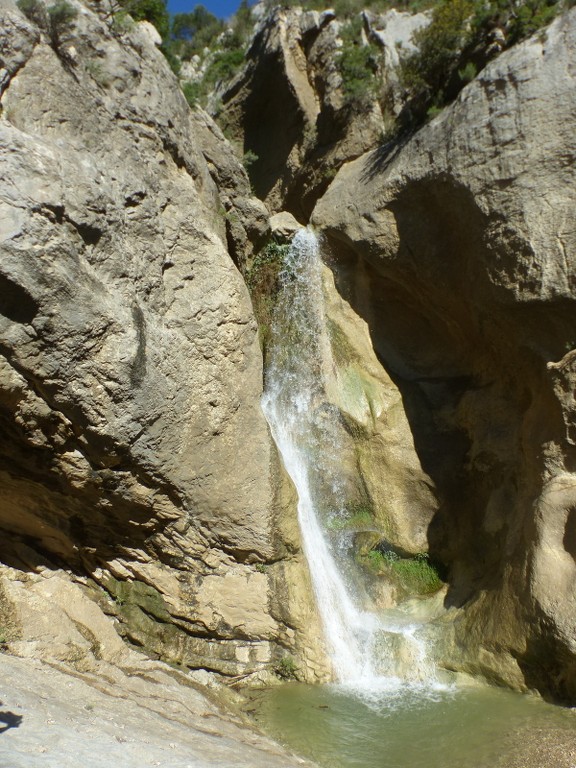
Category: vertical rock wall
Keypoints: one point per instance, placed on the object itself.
(133, 449)
(459, 250)
(289, 106)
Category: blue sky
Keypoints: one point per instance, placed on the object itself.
(222, 8)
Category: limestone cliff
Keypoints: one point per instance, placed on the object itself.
(289, 106)
(458, 248)
(134, 455)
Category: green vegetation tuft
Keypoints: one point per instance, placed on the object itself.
(173, 60)
(154, 11)
(249, 158)
(192, 92)
(418, 575)
(357, 514)
(468, 73)
(262, 279)
(61, 18)
(192, 32)
(428, 72)
(460, 40)
(520, 19)
(358, 64)
(223, 66)
(122, 23)
(414, 575)
(56, 20)
(200, 33)
(286, 668)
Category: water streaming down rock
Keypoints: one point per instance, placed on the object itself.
(366, 649)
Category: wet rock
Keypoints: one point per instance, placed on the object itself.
(284, 226)
(379, 458)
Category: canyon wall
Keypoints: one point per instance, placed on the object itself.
(291, 106)
(140, 488)
(458, 248)
(455, 245)
(135, 459)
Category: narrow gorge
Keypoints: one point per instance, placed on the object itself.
(294, 432)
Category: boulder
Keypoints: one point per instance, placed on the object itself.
(284, 226)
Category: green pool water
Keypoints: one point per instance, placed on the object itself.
(469, 726)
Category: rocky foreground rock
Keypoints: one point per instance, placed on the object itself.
(148, 717)
(458, 247)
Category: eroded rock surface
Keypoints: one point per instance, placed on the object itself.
(289, 109)
(134, 451)
(146, 717)
(379, 460)
(459, 250)
(78, 694)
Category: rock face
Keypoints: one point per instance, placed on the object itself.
(141, 718)
(394, 31)
(140, 491)
(134, 451)
(459, 250)
(288, 107)
(379, 463)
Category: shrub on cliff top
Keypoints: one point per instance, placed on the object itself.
(427, 72)
(194, 31)
(461, 38)
(56, 20)
(154, 11)
(358, 64)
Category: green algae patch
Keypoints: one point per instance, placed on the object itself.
(131, 594)
(356, 515)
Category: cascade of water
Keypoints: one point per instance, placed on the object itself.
(306, 430)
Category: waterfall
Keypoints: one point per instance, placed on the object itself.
(300, 420)
(307, 430)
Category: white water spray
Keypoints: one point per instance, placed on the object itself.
(306, 428)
